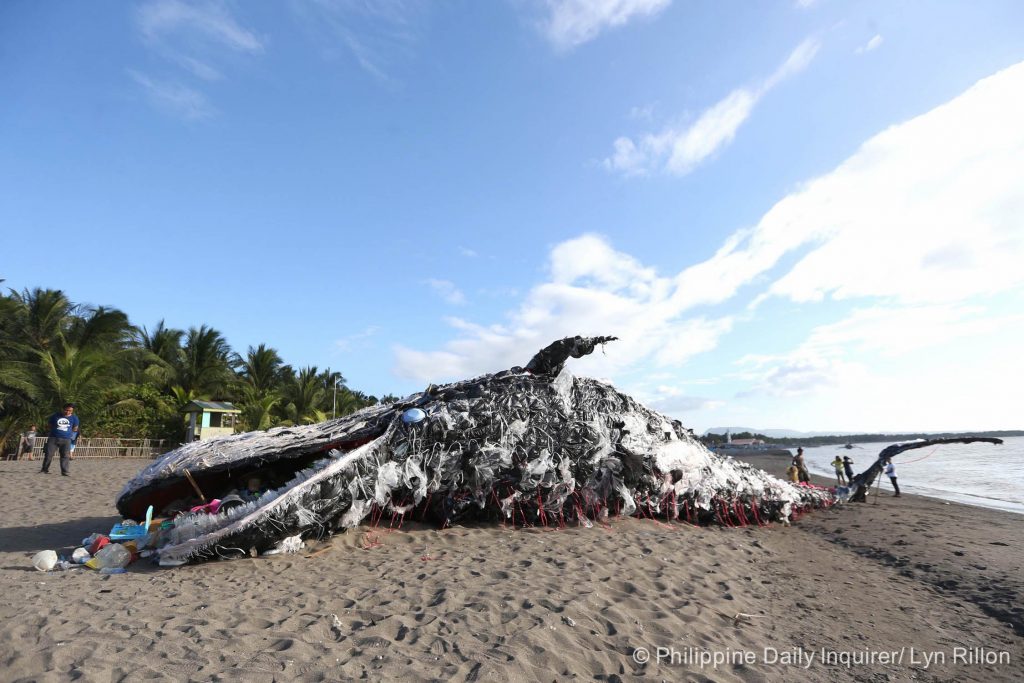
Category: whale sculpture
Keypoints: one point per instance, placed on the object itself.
(528, 446)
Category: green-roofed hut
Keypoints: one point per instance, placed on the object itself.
(210, 419)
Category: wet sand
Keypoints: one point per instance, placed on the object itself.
(911, 576)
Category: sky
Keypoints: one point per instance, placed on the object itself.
(798, 214)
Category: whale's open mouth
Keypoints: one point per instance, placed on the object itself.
(245, 478)
(247, 492)
(309, 503)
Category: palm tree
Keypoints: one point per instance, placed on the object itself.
(257, 409)
(262, 373)
(205, 366)
(42, 316)
(101, 327)
(80, 374)
(304, 394)
(262, 368)
(18, 388)
(159, 354)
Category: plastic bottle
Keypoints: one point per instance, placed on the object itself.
(114, 555)
(113, 570)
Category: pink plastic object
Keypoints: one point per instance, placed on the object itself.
(210, 508)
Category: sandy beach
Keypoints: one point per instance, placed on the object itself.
(920, 588)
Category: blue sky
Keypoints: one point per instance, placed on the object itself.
(804, 215)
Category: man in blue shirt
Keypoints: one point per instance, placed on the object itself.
(63, 431)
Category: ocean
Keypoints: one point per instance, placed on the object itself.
(981, 474)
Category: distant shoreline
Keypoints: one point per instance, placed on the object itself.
(843, 439)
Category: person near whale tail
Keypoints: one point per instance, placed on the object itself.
(848, 468)
(838, 465)
(63, 431)
(890, 471)
(805, 476)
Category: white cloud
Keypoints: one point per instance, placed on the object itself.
(898, 331)
(574, 22)
(875, 41)
(592, 290)
(174, 98)
(200, 69)
(190, 35)
(447, 291)
(376, 35)
(897, 369)
(161, 18)
(356, 340)
(796, 374)
(467, 252)
(679, 150)
(645, 113)
(926, 211)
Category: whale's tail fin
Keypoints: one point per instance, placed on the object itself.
(551, 359)
(863, 481)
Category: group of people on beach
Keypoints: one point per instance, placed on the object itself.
(797, 471)
(844, 470)
(62, 437)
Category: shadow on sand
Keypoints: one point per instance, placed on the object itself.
(56, 536)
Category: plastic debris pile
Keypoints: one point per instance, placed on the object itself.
(527, 446)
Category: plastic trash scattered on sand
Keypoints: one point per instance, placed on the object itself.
(99, 542)
(288, 546)
(129, 529)
(114, 555)
(45, 561)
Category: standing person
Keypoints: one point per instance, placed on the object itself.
(838, 465)
(890, 471)
(63, 429)
(27, 443)
(805, 476)
(848, 467)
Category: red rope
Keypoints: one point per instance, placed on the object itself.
(908, 462)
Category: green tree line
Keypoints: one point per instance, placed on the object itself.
(133, 382)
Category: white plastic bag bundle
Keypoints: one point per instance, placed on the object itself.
(45, 561)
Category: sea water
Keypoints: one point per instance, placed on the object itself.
(983, 474)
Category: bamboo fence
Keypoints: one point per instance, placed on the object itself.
(111, 448)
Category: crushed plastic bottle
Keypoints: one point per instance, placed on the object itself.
(114, 556)
(113, 570)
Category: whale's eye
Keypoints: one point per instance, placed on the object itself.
(413, 415)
